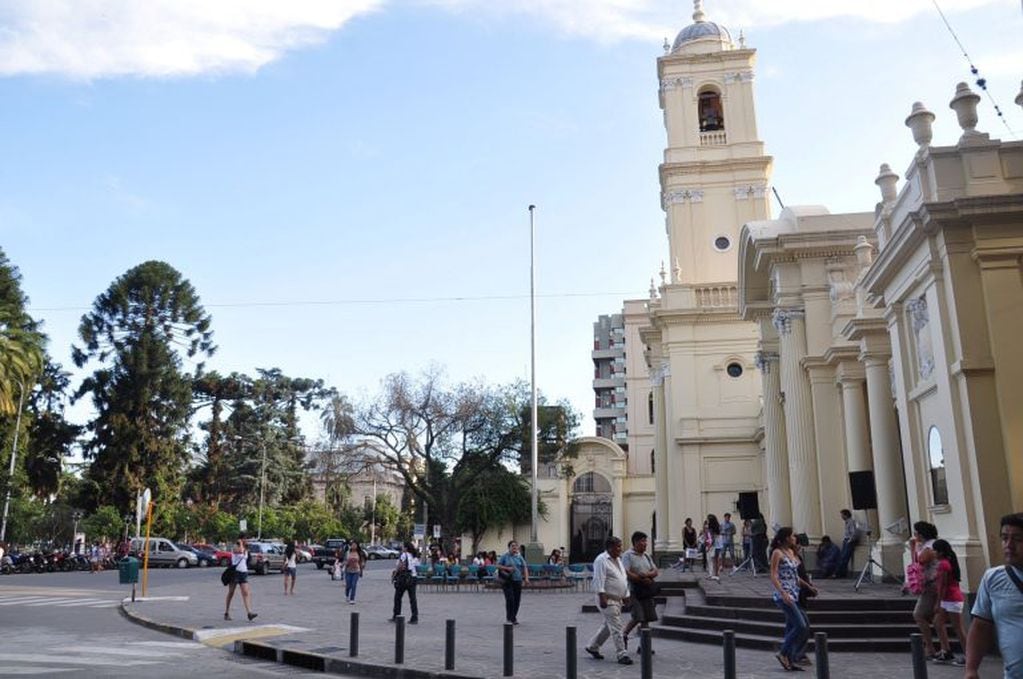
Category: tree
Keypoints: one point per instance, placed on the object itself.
(22, 345)
(497, 498)
(443, 440)
(140, 330)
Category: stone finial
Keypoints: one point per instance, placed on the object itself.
(663, 273)
(964, 103)
(653, 290)
(864, 252)
(676, 271)
(666, 46)
(742, 40)
(1019, 97)
(920, 121)
(887, 181)
(698, 14)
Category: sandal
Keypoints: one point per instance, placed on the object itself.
(227, 616)
(785, 662)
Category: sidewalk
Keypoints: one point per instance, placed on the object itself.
(317, 619)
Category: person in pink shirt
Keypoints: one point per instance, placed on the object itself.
(950, 602)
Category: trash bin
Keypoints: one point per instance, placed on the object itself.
(128, 570)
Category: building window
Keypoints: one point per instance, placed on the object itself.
(711, 113)
(591, 483)
(722, 243)
(650, 407)
(936, 463)
(652, 458)
(734, 370)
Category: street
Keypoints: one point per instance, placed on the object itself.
(56, 623)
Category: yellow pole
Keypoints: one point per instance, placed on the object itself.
(145, 557)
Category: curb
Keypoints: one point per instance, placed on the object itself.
(305, 659)
(183, 632)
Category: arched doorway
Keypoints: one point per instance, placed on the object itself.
(591, 522)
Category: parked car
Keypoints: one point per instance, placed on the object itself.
(223, 556)
(163, 552)
(380, 552)
(303, 554)
(206, 557)
(265, 557)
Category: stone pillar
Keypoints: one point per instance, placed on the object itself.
(664, 522)
(799, 425)
(673, 471)
(857, 443)
(776, 451)
(617, 511)
(888, 473)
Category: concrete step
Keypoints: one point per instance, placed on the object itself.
(772, 642)
(777, 628)
(822, 604)
(816, 616)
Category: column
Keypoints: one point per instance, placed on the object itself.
(799, 426)
(779, 503)
(664, 522)
(888, 473)
(617, 510)
(673, 471)
(857, 445)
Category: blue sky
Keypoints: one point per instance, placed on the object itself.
(346, 183)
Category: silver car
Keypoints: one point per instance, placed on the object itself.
(163, 552)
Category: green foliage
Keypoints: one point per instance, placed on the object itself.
(139, 329)
(106, 523)
(499, 497)
(384, 515)
(22, 346)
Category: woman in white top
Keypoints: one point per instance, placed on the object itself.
(240, 579)
(290, 567)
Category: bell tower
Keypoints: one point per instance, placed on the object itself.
(715, 174)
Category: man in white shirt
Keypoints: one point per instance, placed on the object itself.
(612, 588)
(998, 612)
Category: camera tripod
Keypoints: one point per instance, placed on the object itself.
(866, 573)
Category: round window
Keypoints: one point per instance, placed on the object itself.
(722, 243)
(734, 370)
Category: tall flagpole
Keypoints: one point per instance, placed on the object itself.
(532, 370)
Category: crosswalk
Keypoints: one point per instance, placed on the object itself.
(58, 601)
(95, 658)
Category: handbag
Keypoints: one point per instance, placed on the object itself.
(227, 576)
(915, 579)
(645, 590)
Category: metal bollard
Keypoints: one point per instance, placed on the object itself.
(916, 642)
(820, 649)
(399, 640)
(449, 645)
(646, 656)
(353, 636)
(571, 658)
(728, 638)
(509, 649)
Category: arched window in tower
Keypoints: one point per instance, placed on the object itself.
(712, 116)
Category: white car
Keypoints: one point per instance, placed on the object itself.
(380, 552)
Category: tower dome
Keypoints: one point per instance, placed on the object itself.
(707, 33)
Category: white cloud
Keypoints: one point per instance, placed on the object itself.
(89, 39)
(106, 38)
(611, 20)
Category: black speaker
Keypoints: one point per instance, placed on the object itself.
(864, 495)
(749, 505)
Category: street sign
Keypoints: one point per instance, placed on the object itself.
(436, 531)
(243, 525)
(419, 529)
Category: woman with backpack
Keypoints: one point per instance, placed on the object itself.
(950, 602)
(404, 579)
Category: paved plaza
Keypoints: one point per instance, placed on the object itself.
(317, 619)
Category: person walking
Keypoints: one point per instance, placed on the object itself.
(239, 579)
(850, 539)
(727, 542)
(612, 588)
(290, 567)
(950, 602)
(787, 583)
(747, 539)
(355, 566)
(404, 579)
(998, 610)
(641, 574)
(513, 573)
(921, 548)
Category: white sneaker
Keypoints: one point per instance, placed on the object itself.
(351, 601)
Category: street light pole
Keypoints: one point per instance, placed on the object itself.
(532, 370)
(14, 453)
